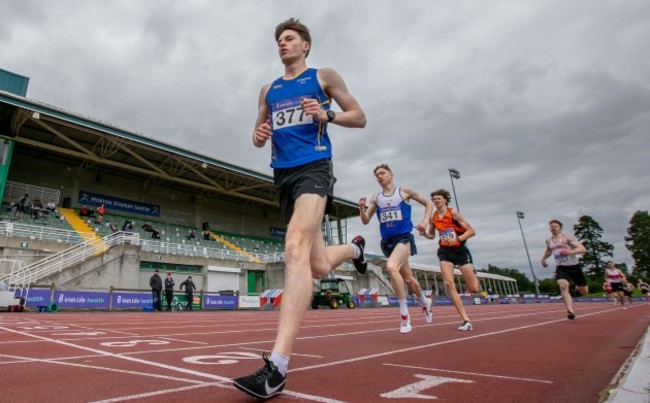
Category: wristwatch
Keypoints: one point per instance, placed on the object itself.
(330, 115)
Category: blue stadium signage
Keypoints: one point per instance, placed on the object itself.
(115, 203)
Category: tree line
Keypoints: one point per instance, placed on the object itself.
(589, 232)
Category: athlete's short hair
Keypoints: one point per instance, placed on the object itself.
(554, 221)
(382, 166)
(442, 192)
(294, 24)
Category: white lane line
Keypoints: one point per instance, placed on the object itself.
(356, 333)
(221, 379)
(420, 347)
(184, 388)
(469, 373)
(183, 341)
(292, 354)
(68, 358)
(106, 369)
(157, 393)
(121, 357)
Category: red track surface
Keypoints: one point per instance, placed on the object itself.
(517, 353)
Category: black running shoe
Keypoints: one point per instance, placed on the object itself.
(264, 383)
(360, 263)
(571, 315)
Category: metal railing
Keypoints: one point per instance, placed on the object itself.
(94, 246)
(34, 232)
(58, 262)
(170, 248)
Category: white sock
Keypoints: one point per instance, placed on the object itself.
(357, 251)
(403, 307)
(423, 299)
(280, 361)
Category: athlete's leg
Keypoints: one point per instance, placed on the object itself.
(413, 285)
(471, 282)
(397, 259)
(410, 280)
(325, 259)
(447, 271)
(395, 267)
(303, 232)
(566, 295)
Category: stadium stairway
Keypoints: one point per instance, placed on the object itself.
(234, 247)
(84, 230)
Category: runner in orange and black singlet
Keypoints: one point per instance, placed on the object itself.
(454, 230)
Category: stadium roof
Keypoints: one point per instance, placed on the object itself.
(86, 142)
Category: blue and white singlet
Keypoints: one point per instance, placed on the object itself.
(394, 215)
(297, 138)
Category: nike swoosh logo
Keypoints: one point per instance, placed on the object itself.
(270, 390)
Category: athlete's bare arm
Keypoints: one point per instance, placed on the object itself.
(430, 232)
(548, 252)
(367, 211)
(332, 83)
(577, 248)
(469, 231)
(262, 131)
(407, 194)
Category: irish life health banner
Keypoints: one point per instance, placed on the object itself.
(115, 203)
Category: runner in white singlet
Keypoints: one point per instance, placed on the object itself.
(565, 249)
(616, 280)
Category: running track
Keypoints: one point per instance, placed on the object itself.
(517, 353)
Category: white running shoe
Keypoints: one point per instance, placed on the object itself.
(466, 326)
(405, 325)
(428, 315)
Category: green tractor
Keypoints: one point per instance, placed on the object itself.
(333, 292)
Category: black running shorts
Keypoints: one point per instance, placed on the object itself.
(389, 244)
(312, 178)
(457, 255)
(616, 287)
(571, 273)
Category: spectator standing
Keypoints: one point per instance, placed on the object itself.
(189, 291)
(169, 290)
(100, 213)
(22, 206)
(155, 282)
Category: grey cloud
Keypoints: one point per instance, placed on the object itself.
(542, 106)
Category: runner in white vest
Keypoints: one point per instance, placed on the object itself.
(565, 249)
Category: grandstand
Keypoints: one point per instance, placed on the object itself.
(74, 161)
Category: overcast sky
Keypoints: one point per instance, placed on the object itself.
(543, 106)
